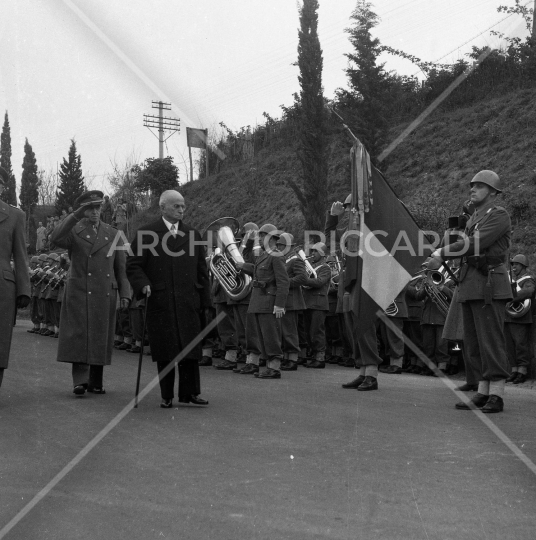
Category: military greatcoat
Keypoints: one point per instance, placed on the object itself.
(96, 275)
(13, 282)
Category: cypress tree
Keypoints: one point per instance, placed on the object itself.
(71, 184)
(312, 153)
(10, 192)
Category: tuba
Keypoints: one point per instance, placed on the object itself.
(517, 308)
(311, 272)
(223, 262)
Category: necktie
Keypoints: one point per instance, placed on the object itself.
(173, 230)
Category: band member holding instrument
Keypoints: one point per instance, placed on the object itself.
(316, 300)
(484, 289)
(270, 290)
(295, 303)
(518, 322)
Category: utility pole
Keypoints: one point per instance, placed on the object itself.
(161, 123)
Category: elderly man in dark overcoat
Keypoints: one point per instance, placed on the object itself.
(167, 264)
(96, 275)
(14, 283)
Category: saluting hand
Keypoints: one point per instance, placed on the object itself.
(337, 208)
(279, 312)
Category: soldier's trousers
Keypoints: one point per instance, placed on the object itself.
(269, 331)
(122, 324)
(34, 311)
(364, 340)
(413, 330)
(485, 346)
(41, 310)
(394, 345)
(240, 312)
(518, 344)
(433, 345)
(226, 327)
(252, 336)
(289, 330)
(316, 331)
(333, 337)
(344, 331)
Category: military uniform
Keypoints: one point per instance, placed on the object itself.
(316, 300)
(394, 344)
(14, 282)
(270, 288)
(484, 290)
(96, 275)
(517, 330)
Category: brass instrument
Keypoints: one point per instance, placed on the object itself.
(223, 263)
(335, 266)
(41, 274)
(311, 272)
(518, 308)
(431, 281)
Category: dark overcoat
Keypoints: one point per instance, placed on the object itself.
(96, 274)
(13, 282)
(179, 287)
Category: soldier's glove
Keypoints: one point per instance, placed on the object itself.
(22, 301)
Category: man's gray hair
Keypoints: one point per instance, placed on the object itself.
(167, 196)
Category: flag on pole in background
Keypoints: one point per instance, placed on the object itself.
(390, 242)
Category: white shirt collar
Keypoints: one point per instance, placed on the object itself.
(169, 224)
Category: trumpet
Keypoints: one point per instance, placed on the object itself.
(335, 266)
(431, 281)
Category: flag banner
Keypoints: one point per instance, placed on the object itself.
(197, 138)
(391, 245)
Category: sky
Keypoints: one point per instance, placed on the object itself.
(90, 69)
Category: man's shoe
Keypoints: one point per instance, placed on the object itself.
(467, 387)
(96, 390)
(194, 400)
(166, 404)
(117, 343)
(31, 331)
(268, 374)
(226, 365)
(392, 370)
(347, 362)
(512, 377)
(123, 347)
(301, 361)
(520, 378)
(334, 360)
(316, 364)
(370, 383)
(493, 405)
(478, 400)
(134, 349)
(289, 365)
(80, 389)
(355, 383)
(262, 362)
(205, 361)
(249, 369)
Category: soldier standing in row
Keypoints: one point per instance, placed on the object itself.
(14, 283)
(97, 274)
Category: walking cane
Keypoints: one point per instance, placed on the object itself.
(140, 360)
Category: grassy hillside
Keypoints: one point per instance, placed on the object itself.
(430, 171)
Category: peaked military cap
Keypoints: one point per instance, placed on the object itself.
(94, 197)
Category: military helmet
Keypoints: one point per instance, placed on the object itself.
(43, 257)
(54, 256)
(34, 259)
(320, 247)
(286, 239)
(249, 226)
(489, 178)
(521, 259)
(268, 228)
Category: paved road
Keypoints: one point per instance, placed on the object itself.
(298, 458)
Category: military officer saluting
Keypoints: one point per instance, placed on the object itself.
(484, 289)
(14, 283)
(96, 275)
